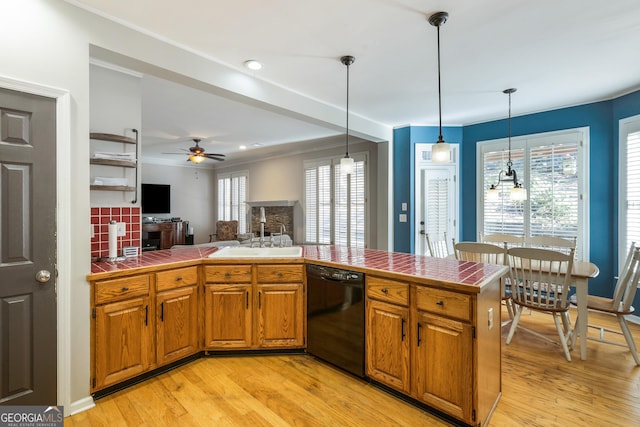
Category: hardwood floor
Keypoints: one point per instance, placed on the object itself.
(540, 388)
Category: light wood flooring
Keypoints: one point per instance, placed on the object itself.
(540, 388)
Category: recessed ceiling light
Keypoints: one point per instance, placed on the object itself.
(243, 147)
(252, 64)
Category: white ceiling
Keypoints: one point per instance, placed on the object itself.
(556, 53)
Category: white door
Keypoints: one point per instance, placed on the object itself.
(436, 199)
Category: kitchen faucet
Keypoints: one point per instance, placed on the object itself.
(263, 220)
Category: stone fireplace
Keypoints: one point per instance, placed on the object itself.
(277, 213)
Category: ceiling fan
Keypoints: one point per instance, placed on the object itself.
(197, 155)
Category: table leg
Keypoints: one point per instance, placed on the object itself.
(581, 297)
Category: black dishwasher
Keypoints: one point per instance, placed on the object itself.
(335, 317)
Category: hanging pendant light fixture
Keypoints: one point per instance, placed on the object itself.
(441, 151)
(517, 192)
(346, 163)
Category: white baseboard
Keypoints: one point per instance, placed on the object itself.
(634, 319)
(80, 406)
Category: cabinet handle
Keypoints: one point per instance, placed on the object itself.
(162, 312)
(439, 302)
(146, 315)
(419, 328)
(259, 299)
(403, 334)
(279, 274)
(247, 299)
(384, 291)
(227, 274)
(124, 289)
(178, 278)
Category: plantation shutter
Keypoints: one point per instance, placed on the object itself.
(437, 203)
(553, 190)
(349, 205)
(633, 188)
(502, 215)
(318, 203)
(232, 199)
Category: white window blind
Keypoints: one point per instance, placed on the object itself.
(553, 171)
(335, 204)
(633, 189)
(553, 190)
(437, 209)
(317, 183)
(232, 197)
(503, 215)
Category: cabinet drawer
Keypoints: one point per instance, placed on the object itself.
(119, 289)
(280, 273)
(388, 290)
(228, 274)
(177, 278)
(450, 304)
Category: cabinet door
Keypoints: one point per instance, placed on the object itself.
(227, 316)
(388, 344)
(443, 368)
(177, 324)
(123, 341)
(280, 315)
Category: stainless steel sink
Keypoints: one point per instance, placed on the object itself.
(248, 252)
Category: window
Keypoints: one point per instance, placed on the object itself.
(335, 204)
(554, 171)
(232, 197)
(629, 185)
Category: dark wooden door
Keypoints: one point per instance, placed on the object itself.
(27, 249)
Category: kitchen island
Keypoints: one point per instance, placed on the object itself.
(432, 325)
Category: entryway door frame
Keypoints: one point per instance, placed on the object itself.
(63, 222)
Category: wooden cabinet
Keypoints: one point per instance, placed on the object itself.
(388, 344)
(443, 364)
(122, 330)
(423, 341)
(176, 314)
(167, 233)
(254, 306)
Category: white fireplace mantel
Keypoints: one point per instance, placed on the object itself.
(273, 203)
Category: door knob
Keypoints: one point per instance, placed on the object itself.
(43, 276)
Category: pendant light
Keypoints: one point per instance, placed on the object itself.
(346, 163)
(441, 151)
(517, 192)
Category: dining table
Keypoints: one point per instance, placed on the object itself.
(581, 272)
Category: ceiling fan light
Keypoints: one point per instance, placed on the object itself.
(346, 165)
(440, 152)
(196, 158)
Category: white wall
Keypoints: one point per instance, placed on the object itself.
(116, 108)
(192, 194)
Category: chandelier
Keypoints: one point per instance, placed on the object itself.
(510, 175)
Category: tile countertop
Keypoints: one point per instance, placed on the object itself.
(469, 276)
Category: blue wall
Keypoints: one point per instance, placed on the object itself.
(601, 118)
(404, 141)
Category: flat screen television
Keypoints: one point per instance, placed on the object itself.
(156, 198)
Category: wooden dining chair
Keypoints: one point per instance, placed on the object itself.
(554, 243)
(487, 253)
(540, 281)
(438, 248)
(511, 240)
(619, 305)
